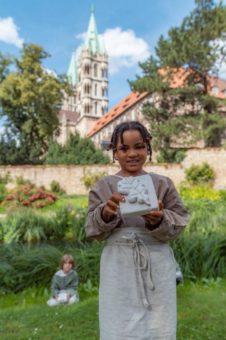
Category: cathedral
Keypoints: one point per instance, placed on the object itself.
(86, 111)
(88, 76)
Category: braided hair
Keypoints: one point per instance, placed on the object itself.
(132, 125)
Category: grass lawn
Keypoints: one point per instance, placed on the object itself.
(80, 201)
(201, 315)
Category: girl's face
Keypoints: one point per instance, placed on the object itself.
(67, 266)
(132, 153)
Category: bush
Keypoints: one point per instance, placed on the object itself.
(3, 181)
(171, 156)
(89, 179)
(198, 192)
(77, 150)
(27, 195)
(21, 181)
(56, 188)
(201, 249)
(28, 226)
(22, 267)
(198, 174)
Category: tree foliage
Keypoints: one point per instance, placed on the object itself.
(77, 150)
(30, 98)
(194, 51)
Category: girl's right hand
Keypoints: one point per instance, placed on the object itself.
(110, 208)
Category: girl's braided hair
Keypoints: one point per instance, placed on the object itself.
(132, 125)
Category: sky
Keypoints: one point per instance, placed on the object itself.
(130, 29)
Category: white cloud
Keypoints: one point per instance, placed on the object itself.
(9, 32)
(124, 48)
(220, 47)
(50, 72)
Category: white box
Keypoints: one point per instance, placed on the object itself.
(140, 195)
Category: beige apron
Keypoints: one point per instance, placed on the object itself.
(137, 296)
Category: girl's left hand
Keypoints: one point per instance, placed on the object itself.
(155, 216)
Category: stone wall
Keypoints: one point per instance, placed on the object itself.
(70, 176)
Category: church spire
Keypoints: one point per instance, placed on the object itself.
(93, 42)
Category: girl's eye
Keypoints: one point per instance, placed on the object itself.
(142, 146)
(123, 148)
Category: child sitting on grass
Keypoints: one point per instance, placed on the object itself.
(64, 283)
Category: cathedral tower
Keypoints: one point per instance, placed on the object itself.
(88, 74)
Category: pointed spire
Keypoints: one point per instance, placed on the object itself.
(92, 41)
(92, 9)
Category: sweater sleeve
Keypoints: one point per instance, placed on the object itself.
(175, 216)
(95, 226)
(72, 283)
(55, 288)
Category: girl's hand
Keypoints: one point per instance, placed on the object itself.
(110, 208)
(155, 216)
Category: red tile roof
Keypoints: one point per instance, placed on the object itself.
(179, 76)
(125, 104)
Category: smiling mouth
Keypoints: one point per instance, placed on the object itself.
(132, 162)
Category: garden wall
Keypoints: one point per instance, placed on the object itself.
(70, 176)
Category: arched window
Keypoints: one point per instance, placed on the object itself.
(87, 108)
(104, 72)
(95, 108)
(95, 90)
(95, 70)
(87, 69)
(87, 89)
(104, 92)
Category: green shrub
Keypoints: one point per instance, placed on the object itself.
(89, 179)
(26, 226)
(171, 156)
(201, 256)
(22, 266)
(21, 181)
(198, 192)
(77, 150)
(3, 181)
(198, 174)
(201, 248)
(56, 188)
(29, 226)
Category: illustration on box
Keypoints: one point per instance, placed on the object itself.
(140, 195)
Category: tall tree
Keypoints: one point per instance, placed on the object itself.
(190, 54)
(30, 99)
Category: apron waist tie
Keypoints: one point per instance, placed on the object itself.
(142, 262)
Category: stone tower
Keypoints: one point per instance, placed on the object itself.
(88, 74)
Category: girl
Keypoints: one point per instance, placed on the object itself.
(64, 283)
(137, 294)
